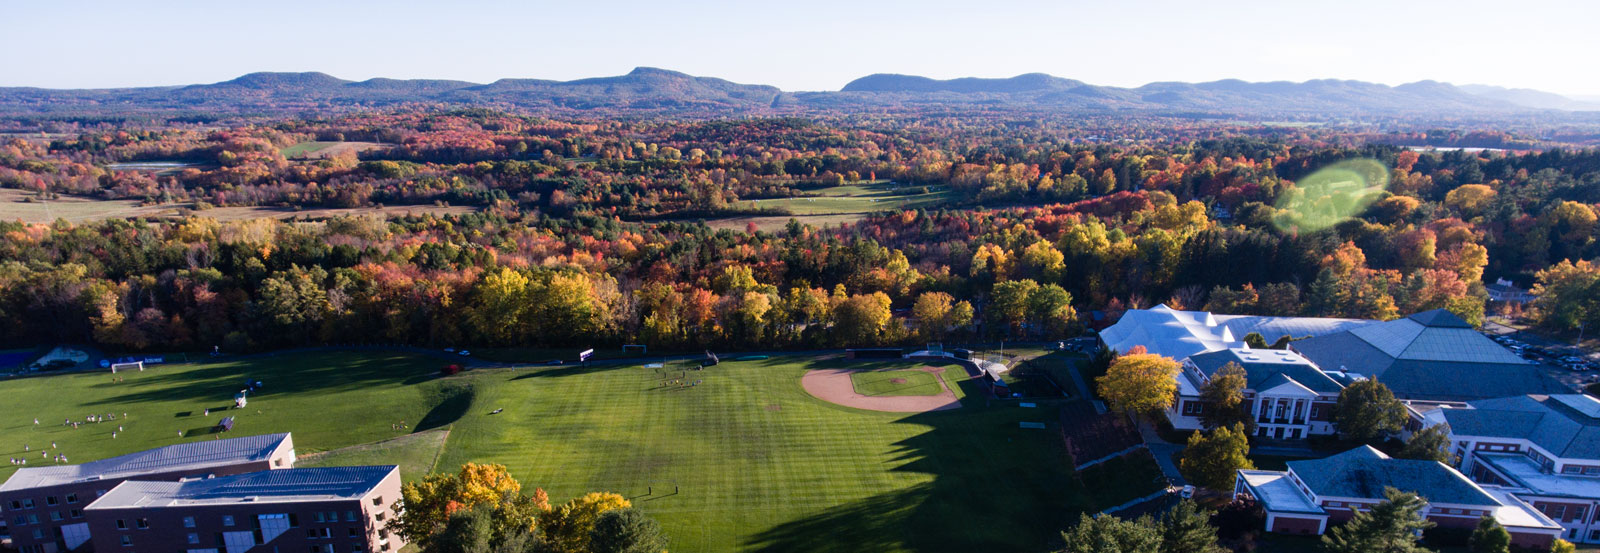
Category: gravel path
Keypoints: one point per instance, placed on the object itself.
(833, 386)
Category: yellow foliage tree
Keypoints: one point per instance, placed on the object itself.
(567, 527)
(1140, 383)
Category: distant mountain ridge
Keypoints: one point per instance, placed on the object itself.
(659, 90)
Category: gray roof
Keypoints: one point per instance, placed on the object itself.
(1566, 425)
(1523, 472)
(1266, 368)
(1433, 355)
(172, 458)
(267, 486)
(1364, 472)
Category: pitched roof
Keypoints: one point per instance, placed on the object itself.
(173, 458)
(1364, 472)
(1267, 368)
(1433, 355)
(1179, 334)
(1566, 425)
(267, 486)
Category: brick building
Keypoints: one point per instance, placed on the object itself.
(1543, 448)
(1315, 493)
(320, 510)
(42, 508)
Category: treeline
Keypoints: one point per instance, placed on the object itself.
(659, 169)
(1194, 225)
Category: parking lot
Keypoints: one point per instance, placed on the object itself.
(1565, 362)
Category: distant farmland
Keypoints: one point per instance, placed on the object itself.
(76, 209)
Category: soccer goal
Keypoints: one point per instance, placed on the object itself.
(136, 365)
(633, 348)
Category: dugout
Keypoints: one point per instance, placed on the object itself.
(875, 353)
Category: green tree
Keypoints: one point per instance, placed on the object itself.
(1367, 410)
(626, 531)
(1563, 546)
(1051, 306)
(426, 505)
(1109, 534)
(1223, 396)
(569, 527)
(1140, 383)
(1568, 295)
(476, 530)
(1186, 528)
(1430, 444)
(1213, 459)
(1489, 537)
(1392, 526)
(1010, 305)
(1255, 340)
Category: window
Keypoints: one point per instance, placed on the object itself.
(319, 517)
(1558, 511)
(50, 500)
(349, 516)
(127, 541)
(143, 523)
(353, 532)
(188, 522)
(227, 520)
(72, 498)
(278, 462)
(38, 534)
(378, 517)
(378, 501)
(294, 520)
(194, 538)
(122, 524)
(55, 515)
(21, 520)
(1569, 469)
(1591, 471)
(33, 519)
(16, 505)
(27, 503)
(77, 513)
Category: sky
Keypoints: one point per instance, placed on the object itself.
(806, 45)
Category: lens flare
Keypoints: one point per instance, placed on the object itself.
(1331, 195)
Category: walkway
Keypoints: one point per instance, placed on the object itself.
(1164, 452)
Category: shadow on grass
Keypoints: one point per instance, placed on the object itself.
(995, 487)
(312, 372)
(451, 401)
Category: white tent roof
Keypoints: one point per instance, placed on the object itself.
(1179, 334)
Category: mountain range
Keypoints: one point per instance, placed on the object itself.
(650, 89)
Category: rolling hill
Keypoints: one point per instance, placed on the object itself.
(658, 90)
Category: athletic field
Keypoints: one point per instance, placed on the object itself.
(736, 457)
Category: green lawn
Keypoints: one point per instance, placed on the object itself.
(306, 148)
(896, 383)
(415, 453)
(857, 198)
(743, 461)
(328, 400)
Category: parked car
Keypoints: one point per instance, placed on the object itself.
(464, 353)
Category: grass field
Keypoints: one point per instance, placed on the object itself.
(326, 149)
(744, 461)
(896, 383)
(80, 209)
(327, 400)
(857, 198)
(415, 453)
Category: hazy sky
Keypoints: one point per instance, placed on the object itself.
(806, 45)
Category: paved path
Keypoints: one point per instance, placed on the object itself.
(1164, 452)
(834, 386)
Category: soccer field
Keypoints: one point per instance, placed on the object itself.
(744, 460)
